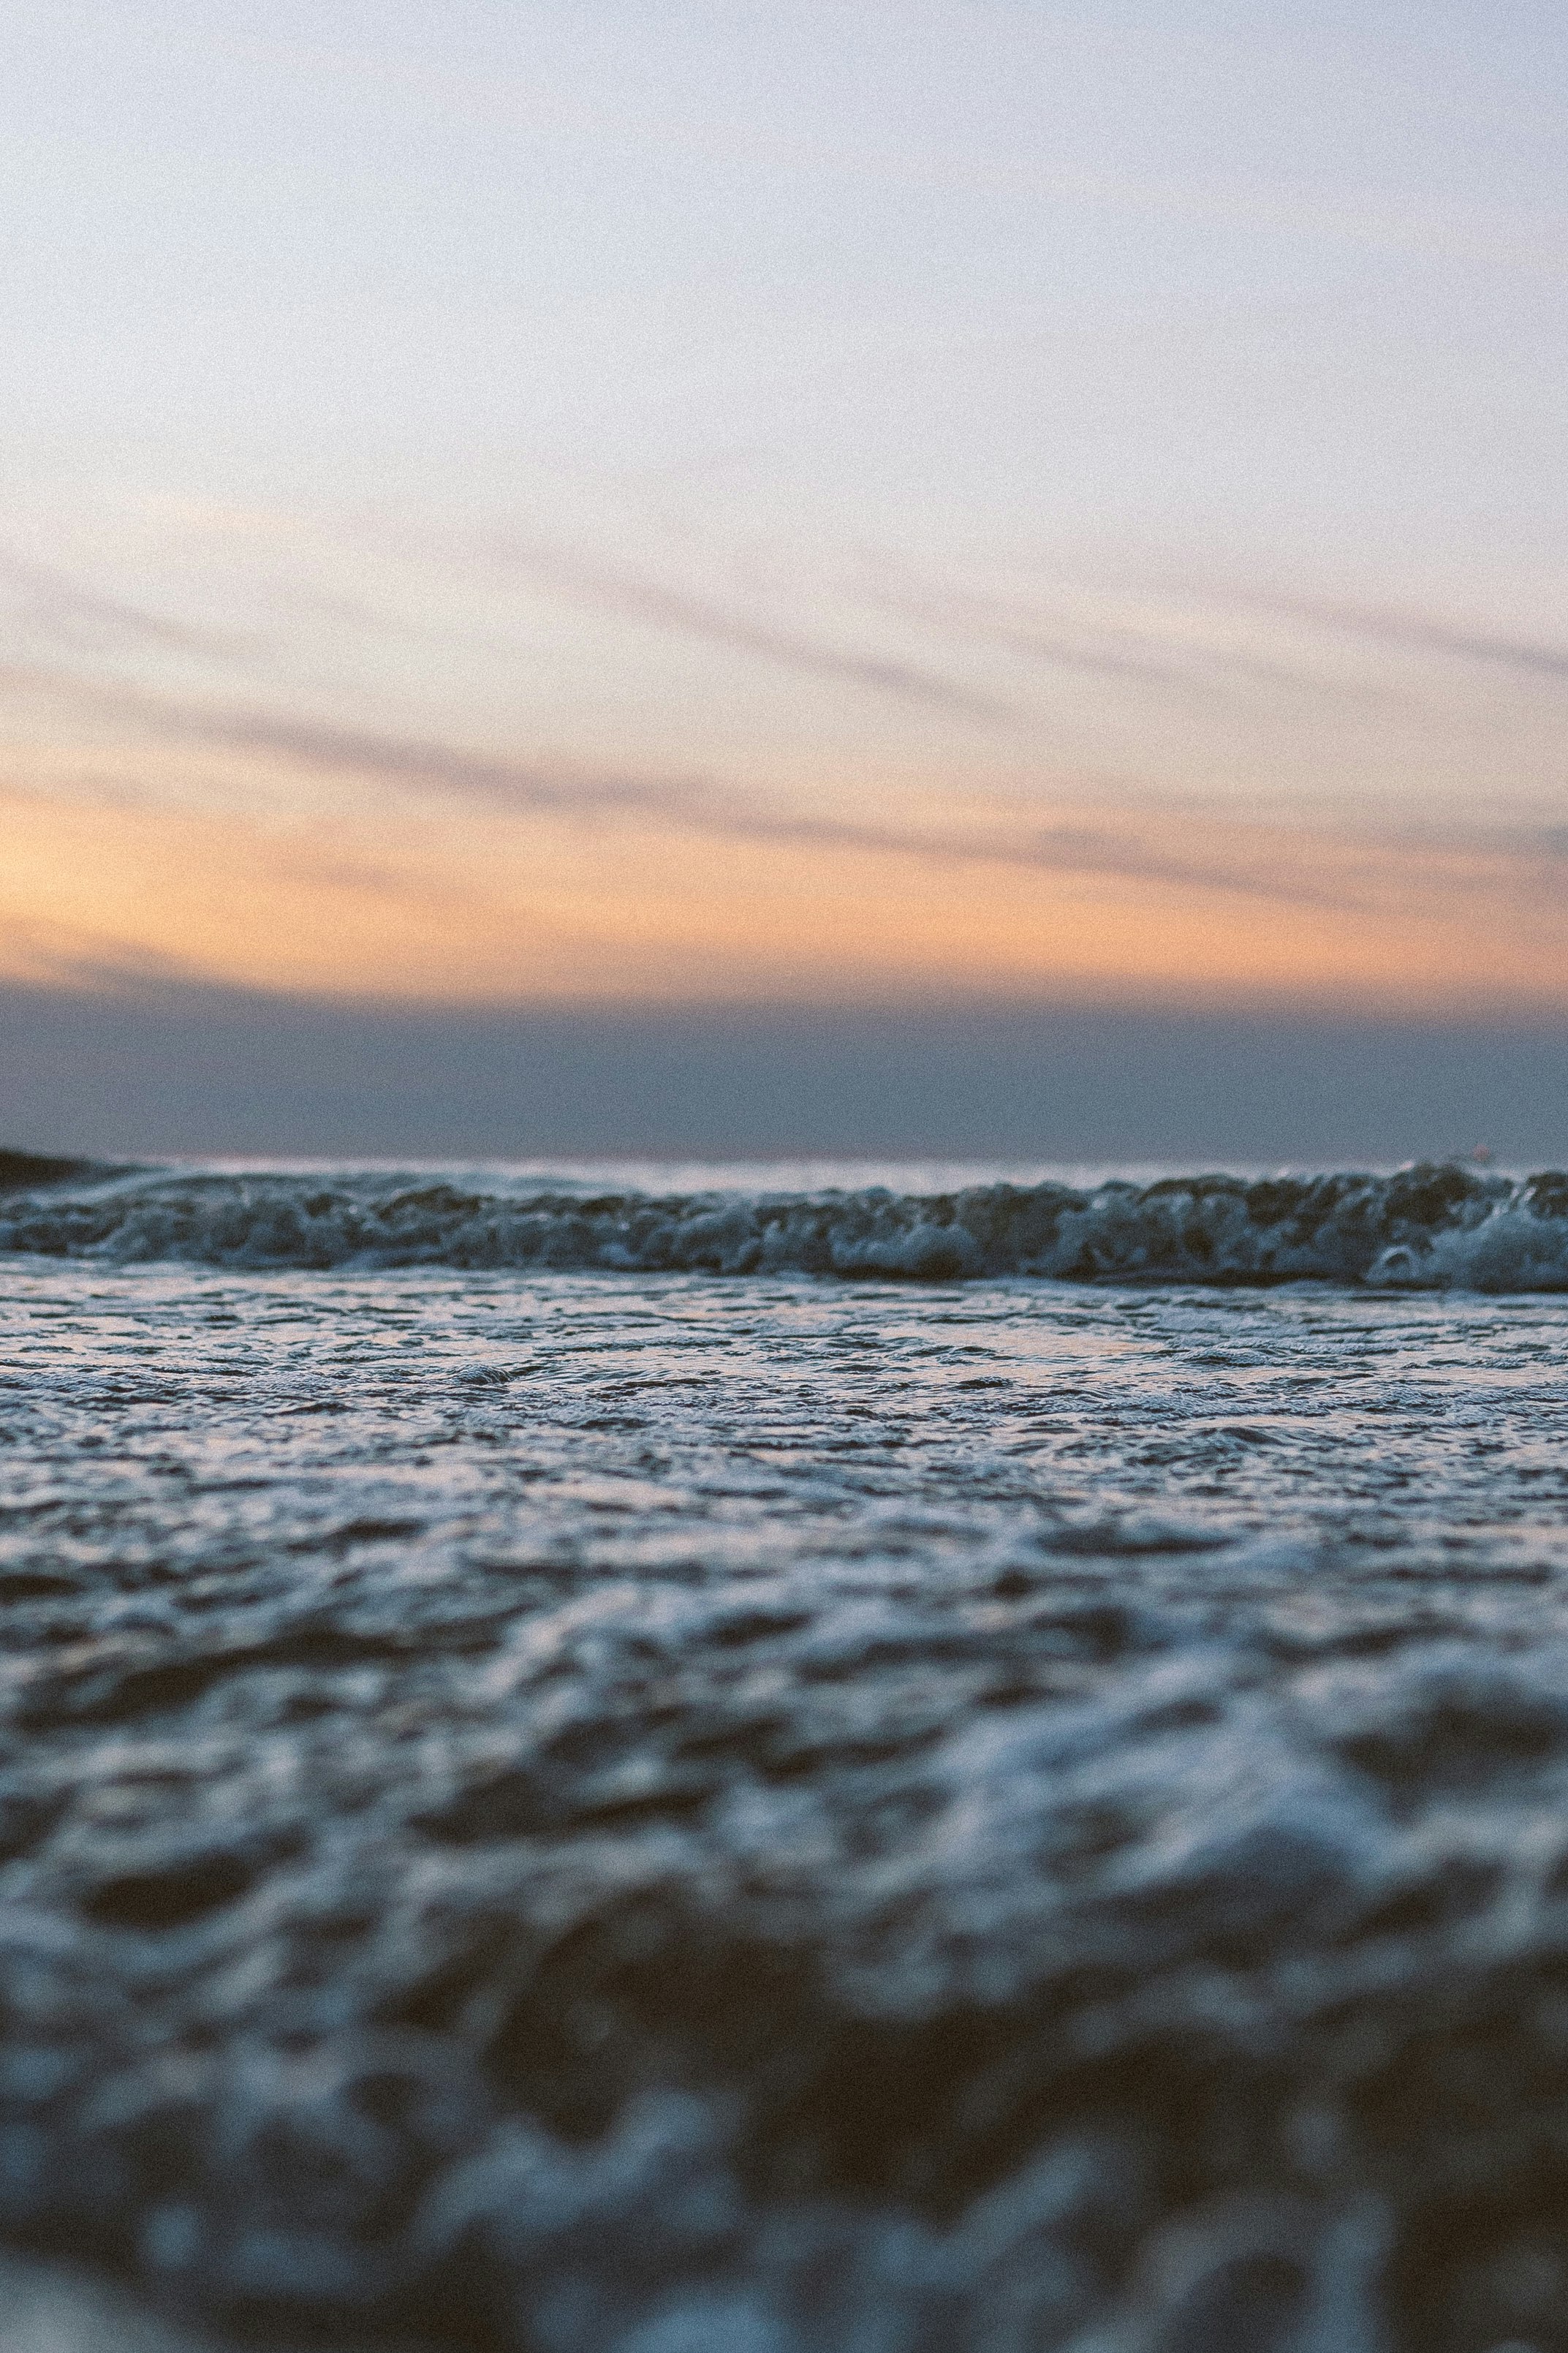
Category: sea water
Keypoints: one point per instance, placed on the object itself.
(792, 1762)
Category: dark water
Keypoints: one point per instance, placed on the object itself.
(568, 1811)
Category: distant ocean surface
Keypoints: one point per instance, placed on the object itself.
(788, 1760)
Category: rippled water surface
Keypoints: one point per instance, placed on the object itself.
(641, 1814)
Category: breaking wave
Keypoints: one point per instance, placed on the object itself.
(1433, 1227)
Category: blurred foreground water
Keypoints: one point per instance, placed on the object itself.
(639, 1814)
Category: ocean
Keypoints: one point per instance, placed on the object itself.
(789, 1760)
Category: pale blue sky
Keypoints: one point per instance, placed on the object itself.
(1243, 274)
(605, 225)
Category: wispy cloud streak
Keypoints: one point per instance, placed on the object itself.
(70, 611)
(1420, 631)
(637, 598)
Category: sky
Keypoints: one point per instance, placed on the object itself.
(835, 509)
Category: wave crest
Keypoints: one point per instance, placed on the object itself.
(1440, 1225)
